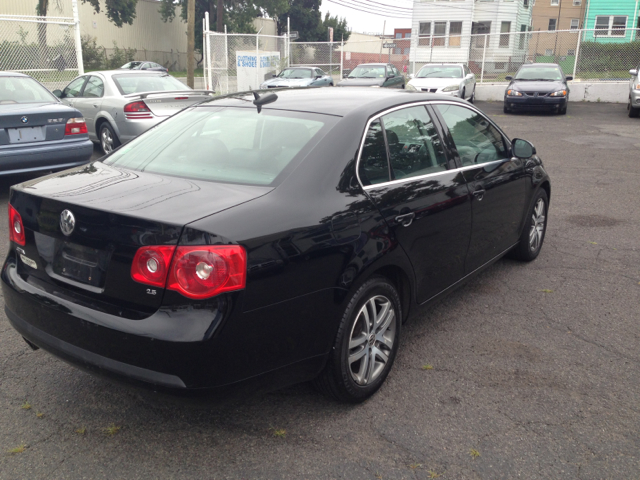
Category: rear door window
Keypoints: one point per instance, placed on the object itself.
(234, 145)
(476, 140)
(415, 147)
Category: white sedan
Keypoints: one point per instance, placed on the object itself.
(448, 79)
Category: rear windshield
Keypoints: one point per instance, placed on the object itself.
(225, 144)
(23, 90)
(151, 82)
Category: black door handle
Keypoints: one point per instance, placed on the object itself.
(406, 219)
(479, 194)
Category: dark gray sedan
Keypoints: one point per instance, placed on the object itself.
(38, 132)
(374, 75)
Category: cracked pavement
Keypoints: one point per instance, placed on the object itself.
(535, 366)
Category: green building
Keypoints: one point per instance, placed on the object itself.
(611, 21)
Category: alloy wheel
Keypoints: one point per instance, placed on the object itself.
(537, 225)
(371, 340)
(106, 139)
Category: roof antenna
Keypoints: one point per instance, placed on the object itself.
(263, 100)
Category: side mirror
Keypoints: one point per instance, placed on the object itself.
(522, 149)
(318, 77)
(633, 72)
(508, 77)
(568, 77)
(411, 75)
(470, 75)
(273, 75)
(345, 75)
(57, 93)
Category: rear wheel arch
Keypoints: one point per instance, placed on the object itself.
(402, 283)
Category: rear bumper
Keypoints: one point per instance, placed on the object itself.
(535, 103)
(37, 157)
(206, 347)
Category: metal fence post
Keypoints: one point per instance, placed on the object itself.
(289, 42)
(341, 58)
(257, 60)
(76, 27)
(484, 53)
(575, 64)
(226, 60)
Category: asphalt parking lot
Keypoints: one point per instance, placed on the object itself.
(529, 371)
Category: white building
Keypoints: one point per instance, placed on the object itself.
(456, 31)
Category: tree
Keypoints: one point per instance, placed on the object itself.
(237, 15)
(340, 29)
(305, 18)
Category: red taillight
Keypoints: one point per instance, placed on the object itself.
(205, 271)
(16, 228)
(196, 272)
(75, 126)
(137, 110)
(151, 265)
(181, 98)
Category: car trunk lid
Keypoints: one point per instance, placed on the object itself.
(164, 104)
(29, 123)
(111, 221)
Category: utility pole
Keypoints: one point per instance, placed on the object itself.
(219, 14)
(191, 40)
(555, 46)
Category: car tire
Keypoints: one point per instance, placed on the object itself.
(505, 109)
(369, 329)
(108, 139)
(472, 98)
(534, 231)
(633, 111)
(464, 92)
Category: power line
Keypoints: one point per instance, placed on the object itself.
(390, 6)
(367, 10)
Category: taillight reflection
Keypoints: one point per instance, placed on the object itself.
(196, 272)
(16, 228)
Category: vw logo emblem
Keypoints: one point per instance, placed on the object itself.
(67, 222)
(24, 119)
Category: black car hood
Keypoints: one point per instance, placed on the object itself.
(161, 198)
(361, 82)
(541, 87)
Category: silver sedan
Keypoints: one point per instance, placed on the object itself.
(119, 105)
(299, 77)
(453, 79)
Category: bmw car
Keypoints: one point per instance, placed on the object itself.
(538, 87)
(118, 105)
(299, 77)
(269, 238)
(37, 132)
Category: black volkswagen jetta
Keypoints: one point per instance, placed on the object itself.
(538, 86)
(284, 238)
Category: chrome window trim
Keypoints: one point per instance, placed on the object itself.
(419, 177)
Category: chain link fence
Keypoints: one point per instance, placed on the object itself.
(587, 55)
(238, 62)
(45, 48)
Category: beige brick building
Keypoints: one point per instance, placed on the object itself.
(554, 16)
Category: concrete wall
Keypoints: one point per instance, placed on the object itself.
(610, 92)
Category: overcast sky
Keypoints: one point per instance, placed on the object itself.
(359, 21)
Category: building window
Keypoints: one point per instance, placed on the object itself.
(610, 25)
(575, 23)
(548, 52)
(555, 3)
(552, 24)
(397, 51)
(424, 37)
(571, 52)
(406, 51)
(505, 28)
(533, 3)
(407, 35)
(499, 65)
(521, 36)
(439, 32)
(398, 35)
(577, 3)
(618, 26)
(479, 29)
(455, 31)
(526, 3)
